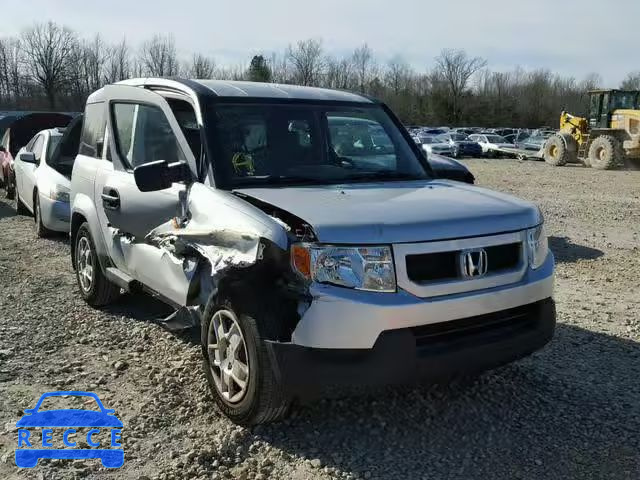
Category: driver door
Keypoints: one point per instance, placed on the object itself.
(141, 128)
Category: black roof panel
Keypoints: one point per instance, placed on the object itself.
(223, 88)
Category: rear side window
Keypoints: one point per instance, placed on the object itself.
(143, 134)
(92, 137)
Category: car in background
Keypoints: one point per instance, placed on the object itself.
(517, 138)
(535, 142)
(432, 131)
(463, 130)
(18, 129)
(42, 172)
(503, 132)
(491, 144)
(432, 144)
(462, 146)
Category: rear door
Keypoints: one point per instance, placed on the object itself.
(26, 177)
(141, 128)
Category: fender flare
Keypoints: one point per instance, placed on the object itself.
(82, 205)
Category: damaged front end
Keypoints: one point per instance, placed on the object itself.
(220, 241)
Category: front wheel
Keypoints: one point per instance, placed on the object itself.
(40, 229)
(20, 208)
(94, 286)
(606, 153)
(237, 364)
(10, 187)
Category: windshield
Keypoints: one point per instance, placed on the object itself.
(623, 100)
(458, 137)
(496, 139)
(427, 140)
(276, 144)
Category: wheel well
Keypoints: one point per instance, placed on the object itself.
(77, 219)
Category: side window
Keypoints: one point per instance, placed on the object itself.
(37, 146)
(29, 147)
(143, 134)
(92, 137)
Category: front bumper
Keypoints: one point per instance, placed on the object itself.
(433, 352)
(344, 318)
(56, 215)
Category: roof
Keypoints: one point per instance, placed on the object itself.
(222, 88)
(238, 89)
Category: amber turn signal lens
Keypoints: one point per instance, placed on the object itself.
(301, 260)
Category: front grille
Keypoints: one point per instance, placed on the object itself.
(446, 334)
(444, 266)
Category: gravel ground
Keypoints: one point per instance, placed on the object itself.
(569, 411)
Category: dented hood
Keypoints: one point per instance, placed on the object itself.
(398, 212)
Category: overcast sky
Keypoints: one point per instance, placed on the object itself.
(567, 36)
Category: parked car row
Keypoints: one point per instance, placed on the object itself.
(301, 229)
(16, 130)
(478, 142)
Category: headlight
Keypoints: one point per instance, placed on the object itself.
(537, 245)
(59, 193)
(362, 268)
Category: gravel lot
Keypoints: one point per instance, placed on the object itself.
(571, 411)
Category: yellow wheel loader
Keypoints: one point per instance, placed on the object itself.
(608, 138)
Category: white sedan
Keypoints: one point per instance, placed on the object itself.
(433, 145)
(491, 144)
(43, 182)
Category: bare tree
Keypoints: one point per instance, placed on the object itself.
(279, 68)
(307, 61)
(339, 73)
(158, 57)
(398, 74)
(201, 67)
(456, 68)
(363, 62)
(631, 81)
(47, 49)
(118, 63)
(11, 78)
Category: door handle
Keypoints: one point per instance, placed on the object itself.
(110, 199)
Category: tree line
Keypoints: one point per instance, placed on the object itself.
(50, 67)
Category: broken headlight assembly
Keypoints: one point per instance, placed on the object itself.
(362, 268)
(537, 246)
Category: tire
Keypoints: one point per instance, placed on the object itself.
(605, 153)
(20, 208)
(10, 187)
(559, 151)
(40, 229)
(258, 318)
(98, 291)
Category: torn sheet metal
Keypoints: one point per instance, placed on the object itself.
(223, 229)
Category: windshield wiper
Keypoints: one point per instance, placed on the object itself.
(384, 175)
(282, 180)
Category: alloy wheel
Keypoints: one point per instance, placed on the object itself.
(84, 264)
(228, 358)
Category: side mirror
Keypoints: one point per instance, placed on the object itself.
(158, 175)
(28, 157)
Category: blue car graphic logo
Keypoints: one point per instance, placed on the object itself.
(29, 452)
